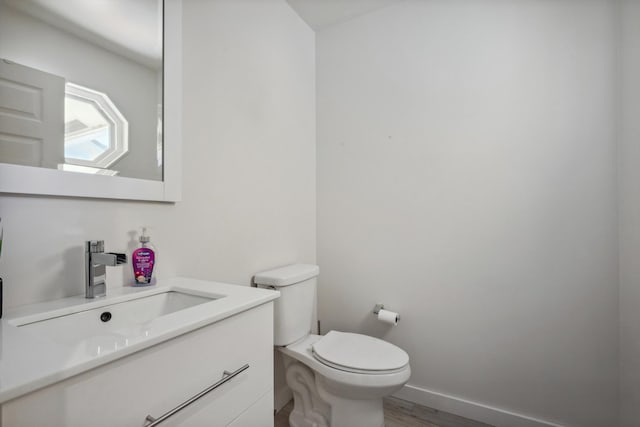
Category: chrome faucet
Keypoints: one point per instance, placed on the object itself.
(96, 262)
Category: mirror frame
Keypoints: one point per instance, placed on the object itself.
(18, 179)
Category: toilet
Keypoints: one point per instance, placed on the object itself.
(338, 379)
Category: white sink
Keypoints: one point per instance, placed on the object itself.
(109, 327)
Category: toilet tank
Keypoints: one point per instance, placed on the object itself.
(293, 311)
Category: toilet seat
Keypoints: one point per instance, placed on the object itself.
(374, 382)
(359, 353)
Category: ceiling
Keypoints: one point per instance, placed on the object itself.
(320, 14)
(130, 28)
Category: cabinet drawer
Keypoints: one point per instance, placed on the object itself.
(155, 380)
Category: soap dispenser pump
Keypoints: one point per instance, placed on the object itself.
(143, 260)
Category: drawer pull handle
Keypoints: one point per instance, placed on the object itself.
(226, 377)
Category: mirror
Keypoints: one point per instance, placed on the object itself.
(82, 85)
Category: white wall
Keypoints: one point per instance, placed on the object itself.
(249, 187)
(466, 178)
(248, 161)
(629, 156)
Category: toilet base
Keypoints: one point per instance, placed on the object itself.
(309, 410)
(315, 406)
(352, 412)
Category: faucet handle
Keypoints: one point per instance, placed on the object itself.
(95, 246)
(119, 258)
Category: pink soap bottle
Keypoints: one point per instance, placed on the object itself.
(143, 261)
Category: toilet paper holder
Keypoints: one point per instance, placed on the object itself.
(377, 308)
(385, 316)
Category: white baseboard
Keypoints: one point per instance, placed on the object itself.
(472, 410)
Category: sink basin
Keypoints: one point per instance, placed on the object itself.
(113, 326)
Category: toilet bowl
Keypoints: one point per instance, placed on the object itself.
(345, 377)
(339, 379)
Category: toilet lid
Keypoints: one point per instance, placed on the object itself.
(359, 353)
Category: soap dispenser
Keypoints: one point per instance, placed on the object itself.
(143, 260)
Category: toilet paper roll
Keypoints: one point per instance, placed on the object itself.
(389, 317)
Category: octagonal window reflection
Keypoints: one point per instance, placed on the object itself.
(96, 132)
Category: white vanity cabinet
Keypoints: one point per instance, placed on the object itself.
(155, 380)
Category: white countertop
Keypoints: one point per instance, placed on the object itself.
(29, 361)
